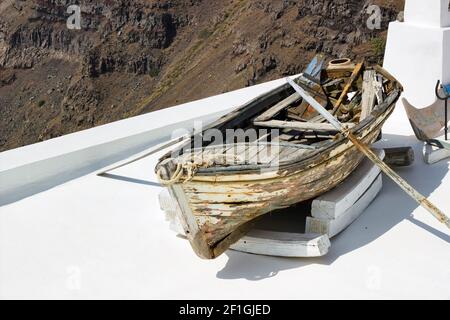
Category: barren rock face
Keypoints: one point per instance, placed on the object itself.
(132, 57)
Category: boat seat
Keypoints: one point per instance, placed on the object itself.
(276, 109)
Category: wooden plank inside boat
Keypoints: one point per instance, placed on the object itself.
(272, 112)
(301, 126)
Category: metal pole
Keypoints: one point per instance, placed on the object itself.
(446, 119)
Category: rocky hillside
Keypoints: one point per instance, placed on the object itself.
(132, 57)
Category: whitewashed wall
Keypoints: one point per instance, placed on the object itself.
(418, 50)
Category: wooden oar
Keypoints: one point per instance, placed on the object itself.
(145, 154)
(348, 86)
(413, 193)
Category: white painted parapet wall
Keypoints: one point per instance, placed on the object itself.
(35, 168)
(418, 49)
(429, 13)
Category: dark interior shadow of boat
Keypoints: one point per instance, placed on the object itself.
(391, 207)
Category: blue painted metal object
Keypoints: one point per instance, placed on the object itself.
(315, 67)
(446, 89)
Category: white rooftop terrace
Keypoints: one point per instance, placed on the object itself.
(67, 233)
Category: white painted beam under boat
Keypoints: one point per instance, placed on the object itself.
(332, 227)
(283, 244)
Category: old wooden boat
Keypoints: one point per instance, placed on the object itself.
(222, 182)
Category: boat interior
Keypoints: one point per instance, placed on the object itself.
(281, 126)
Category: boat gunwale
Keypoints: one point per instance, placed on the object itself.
(277, 175)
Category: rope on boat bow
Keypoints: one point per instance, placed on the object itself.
(185, 171)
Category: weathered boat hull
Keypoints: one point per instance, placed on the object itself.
(216, 209)
(218, 201)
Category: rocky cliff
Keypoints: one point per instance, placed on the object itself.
(132, 57)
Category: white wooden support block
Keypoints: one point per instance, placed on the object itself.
(338, 201)
(283, 244)
(332, 227)
(433, 154)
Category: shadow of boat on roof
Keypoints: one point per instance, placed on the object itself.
(371, 225)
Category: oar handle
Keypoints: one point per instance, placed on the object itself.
(418, 197)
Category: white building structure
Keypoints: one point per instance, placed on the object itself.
(418, 49)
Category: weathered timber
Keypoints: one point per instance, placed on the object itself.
(301, 126)
(380, 70)
(333, 85)
(399, 157)
(276, 109)
(379, 91)
(368, 96)
(298, 112)
(348, 86)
